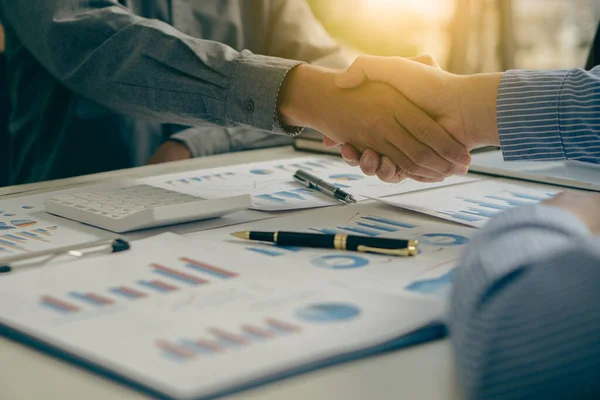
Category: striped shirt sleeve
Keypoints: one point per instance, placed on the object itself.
(550, 115)
(524, 316)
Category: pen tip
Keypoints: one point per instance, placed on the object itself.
(241, 235)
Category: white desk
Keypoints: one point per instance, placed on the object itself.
(422, 372)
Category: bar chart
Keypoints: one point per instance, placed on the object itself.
(219, 340)
(367, 226)
(188, 273)
(473, 204)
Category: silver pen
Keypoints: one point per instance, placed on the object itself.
(80, 250)
(314, 182)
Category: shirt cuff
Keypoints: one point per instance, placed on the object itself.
(528, 115)
(254, 90)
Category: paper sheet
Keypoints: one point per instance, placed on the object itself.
(272, 187)
(201, 317)
(473, 204)
(25, 227)
(429, 273)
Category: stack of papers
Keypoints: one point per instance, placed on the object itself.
(202, 318)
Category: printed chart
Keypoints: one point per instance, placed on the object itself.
(272, 186)
(217, 341)
(473, 204)
(439, 247)
(26, 228)
(162, 280)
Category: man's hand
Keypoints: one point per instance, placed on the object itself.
(465, 106)
(170, 150)
(584, 205)
(367, 117)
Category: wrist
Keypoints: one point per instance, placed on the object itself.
(479, 96)
(300, 95)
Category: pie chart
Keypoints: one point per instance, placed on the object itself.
(328, 312)
(340, 261)
(443, 239)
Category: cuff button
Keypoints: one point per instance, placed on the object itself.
(250, 106)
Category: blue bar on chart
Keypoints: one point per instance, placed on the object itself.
(538, 198)
(486, 204)
(359, 230)
(91, 298)
(390, 222)
(381, 228)
(31, 235)
(158, 286)
(272, 198)
(175, 351)
(256, 333)
(14, 237)
(58, 305)
(227, 338)
(464, 217)
(11, 245)
(180, 276)
(208, 269)
(195, 346)
(266, 251)
(282, 327)
(511, 201)
(482, 212)
(128, 293)
(326, 231)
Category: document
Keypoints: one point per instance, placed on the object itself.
(429, 274)
(273, 188)
(25, 227)
(190, 319)
(473, 204)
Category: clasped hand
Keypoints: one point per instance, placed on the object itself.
(425, 130)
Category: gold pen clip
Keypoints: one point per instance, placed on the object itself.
(410, 251)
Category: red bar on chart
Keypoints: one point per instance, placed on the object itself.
(179, 351)
(179, 275)
(100, 299)
(204, 267)
(164, 285)
(59, 304)
(284, 326)
(132, 292)
(255, 331)
(207, 344)
(228, 337)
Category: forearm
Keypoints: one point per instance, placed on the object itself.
(517, 295)
(146, 68)
(550, 115)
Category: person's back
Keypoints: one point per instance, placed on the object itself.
(57, 132)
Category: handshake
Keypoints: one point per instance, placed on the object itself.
(397, 118)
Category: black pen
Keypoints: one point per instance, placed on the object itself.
(392, 247)
(314, 182)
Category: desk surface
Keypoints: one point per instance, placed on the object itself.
(422, 372)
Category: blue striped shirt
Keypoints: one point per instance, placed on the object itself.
(550, 115)
(525, 315)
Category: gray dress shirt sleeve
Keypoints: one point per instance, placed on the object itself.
(525, 316)
(146, 68)
(295, 34)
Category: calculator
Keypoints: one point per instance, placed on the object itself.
(140, 206)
